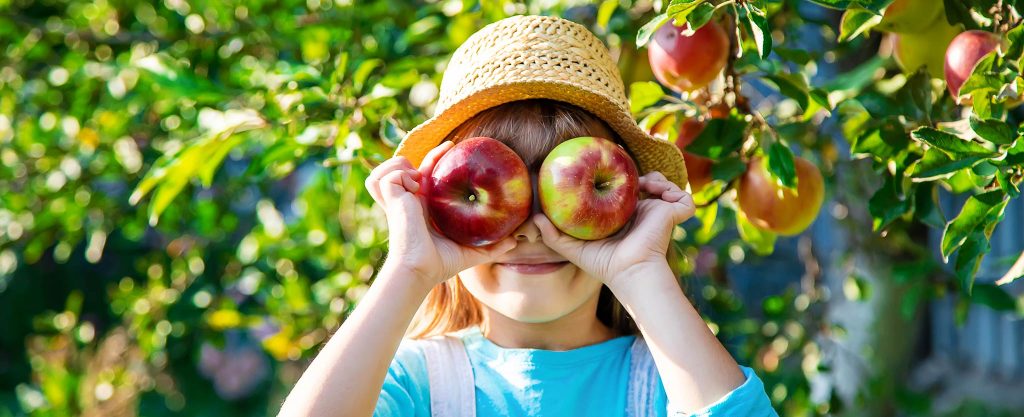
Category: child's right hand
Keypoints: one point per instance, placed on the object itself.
(413, 246)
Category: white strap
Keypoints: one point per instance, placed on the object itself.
(643, 381)
(450, 374)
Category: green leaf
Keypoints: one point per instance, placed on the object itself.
(728, 169)
(757, 23)
(644, 94)
(975, 212)
(984, 169)
(926, 208)
(993, 130)
(1015, 37)
(986, 79)
(780, 164)
(855, 22)
(199, 159)
(390, 132)
(761, 241)
(873, 5)
(919, 89)
(993, 296)
(707, 216)
(936, 165)
(679, 10)
(363, 71)
(952, 145)
(798, 56)
(887, 204)
(1006, 183)
(719, 138)
(981, 102)
(884, 142)
(700, 16)
(644, 34)
(958, 12)
(969, 257)
(858, 78)
(821, 97)
(793, 86)
(605, 12)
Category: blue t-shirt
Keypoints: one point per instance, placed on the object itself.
(588, 381)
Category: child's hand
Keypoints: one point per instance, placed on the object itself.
(642, 242)
(413, 246)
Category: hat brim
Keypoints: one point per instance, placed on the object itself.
(651, 154)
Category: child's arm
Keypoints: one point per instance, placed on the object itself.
(695, 368)
(346, 377)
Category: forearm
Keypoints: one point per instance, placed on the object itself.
(695, 368)
(346, 377)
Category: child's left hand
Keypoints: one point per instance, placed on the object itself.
(642, 242)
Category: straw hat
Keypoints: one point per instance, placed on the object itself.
(526, 57)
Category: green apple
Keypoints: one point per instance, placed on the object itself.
(911, 16)
(927, 49)
(588, 187)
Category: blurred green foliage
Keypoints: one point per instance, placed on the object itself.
(182, 215)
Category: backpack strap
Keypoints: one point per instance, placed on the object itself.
(643, 381)
(452, 392)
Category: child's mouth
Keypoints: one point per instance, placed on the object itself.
(533, 269)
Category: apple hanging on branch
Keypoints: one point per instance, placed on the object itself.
(771, 206)
(964, 53)
(698, 168)
(684, 61)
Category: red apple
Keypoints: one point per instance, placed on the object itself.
(479, 192)
(698, 168)
(588, 187)
(687, 63)
(771, 206)
(964, 53)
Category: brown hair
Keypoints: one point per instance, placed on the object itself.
(532, 128)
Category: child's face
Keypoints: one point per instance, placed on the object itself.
(531, 283)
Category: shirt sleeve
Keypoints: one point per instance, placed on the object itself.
(403, 393)
(747, 400)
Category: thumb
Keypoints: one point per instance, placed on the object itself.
(476, 256)
(565, 245)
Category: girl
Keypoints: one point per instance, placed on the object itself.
(539, 323)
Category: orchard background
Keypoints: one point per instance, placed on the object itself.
(183, 221)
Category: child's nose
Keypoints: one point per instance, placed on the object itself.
(527, 232)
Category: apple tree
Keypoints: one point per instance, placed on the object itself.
(183, 222)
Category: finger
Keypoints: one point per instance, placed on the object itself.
(683, 209)
(497, 249)
(429, 161)
(656, 176)
(409, 181)
(384, 168)
(657, 187)
(475, 256)
(673, 196)
(564, 244)
(394, 185)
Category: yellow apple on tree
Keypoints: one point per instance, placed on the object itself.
(771, 206)
(924, 49)
(910, 16)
